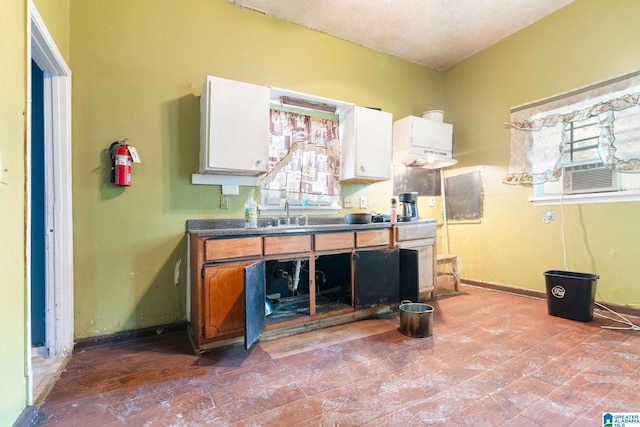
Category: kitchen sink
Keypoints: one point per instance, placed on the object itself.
(227, 227)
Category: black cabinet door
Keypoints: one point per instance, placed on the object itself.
(254, 301)
(377, 277)
(409, 275)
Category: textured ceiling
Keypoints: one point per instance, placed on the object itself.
(435, 33)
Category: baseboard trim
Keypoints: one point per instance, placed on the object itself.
(622, 309)
(131, 335)
(29, 417)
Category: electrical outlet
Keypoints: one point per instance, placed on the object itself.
(548, 216)
(347, 203)
(224, 202)
(363, 202)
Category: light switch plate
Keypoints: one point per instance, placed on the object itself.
(224, 202)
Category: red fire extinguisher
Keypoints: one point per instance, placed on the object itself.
(120, 163)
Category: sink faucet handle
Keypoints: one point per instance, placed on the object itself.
(302, 220)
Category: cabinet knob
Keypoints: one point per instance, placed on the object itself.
(258, 162)
(361, 168)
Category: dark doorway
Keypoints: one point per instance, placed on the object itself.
(38, 210)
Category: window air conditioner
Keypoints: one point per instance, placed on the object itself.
(588, 178)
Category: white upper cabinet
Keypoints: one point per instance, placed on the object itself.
(234, 133)
(234, 128)
(366, 145)
(422, 142)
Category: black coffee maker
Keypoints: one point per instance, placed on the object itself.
(409, 210)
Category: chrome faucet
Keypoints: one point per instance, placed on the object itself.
(286, 209)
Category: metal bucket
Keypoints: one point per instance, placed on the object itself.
(416, 319)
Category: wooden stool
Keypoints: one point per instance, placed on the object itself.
(448, 274)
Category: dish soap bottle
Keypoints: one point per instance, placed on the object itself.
(393, 217)
(250, 213)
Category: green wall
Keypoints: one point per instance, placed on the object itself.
(583, 43)
(13, 332)
(138, 68)
(14, 351)
(137, 72)
(55, 14)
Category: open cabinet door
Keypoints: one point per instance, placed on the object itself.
(377, 277)
(254, 301)
(409, 275)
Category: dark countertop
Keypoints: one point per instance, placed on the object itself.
(235, 227)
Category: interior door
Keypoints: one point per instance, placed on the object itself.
(254, 302)
(377, 277)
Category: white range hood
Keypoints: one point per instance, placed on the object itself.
(423, 143)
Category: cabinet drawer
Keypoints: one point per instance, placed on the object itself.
(274, 245)
(372, 238)
(332, 241)
(415, 232)
(232, 248)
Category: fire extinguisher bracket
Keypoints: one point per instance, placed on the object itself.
(135, 158)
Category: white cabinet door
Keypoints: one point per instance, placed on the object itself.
(435, 136)
(234, 127)
(366, 145)
(422, 136)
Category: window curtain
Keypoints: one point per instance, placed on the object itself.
(304, 161)
(538, 139)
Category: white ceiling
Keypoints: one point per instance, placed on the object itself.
(435, 33)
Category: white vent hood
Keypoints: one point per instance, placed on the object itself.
(423, 143)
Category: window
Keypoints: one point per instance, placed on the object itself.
(582, 141)
(579, 148)
(304, 162)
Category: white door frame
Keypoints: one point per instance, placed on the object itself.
(59, 221)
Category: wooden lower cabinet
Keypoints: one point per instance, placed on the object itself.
(342, 275)
(420, 238)
(217, 286)
(426, 269)
(223, 298)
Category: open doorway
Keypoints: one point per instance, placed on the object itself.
(37, 225)
(49, 211)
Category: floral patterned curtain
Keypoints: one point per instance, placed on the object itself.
(618, 119)
(304, 161)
